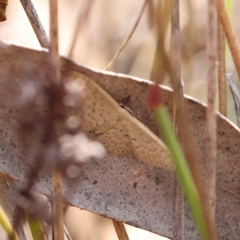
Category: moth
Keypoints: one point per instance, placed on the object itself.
(113, 126)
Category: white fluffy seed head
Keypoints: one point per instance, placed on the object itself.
(79, 148)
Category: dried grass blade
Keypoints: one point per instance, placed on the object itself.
(210, 165)
(185, 136)
(57, 205)
(127, 39)
(178, 202)
(222, 92)
(230, 35)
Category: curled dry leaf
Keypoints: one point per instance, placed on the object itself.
(120, 186)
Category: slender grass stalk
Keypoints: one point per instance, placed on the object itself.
(222, 89)
(36, 228)
(182, 169)
(211, 116)
(6, 225)
(57, 182)
(178, 227)
(127, 39)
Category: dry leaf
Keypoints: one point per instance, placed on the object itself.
(122, 187)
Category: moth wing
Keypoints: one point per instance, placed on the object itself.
(147, 146)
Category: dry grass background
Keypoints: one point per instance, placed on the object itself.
(108, 24)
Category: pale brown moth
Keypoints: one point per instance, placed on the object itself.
(116, 129)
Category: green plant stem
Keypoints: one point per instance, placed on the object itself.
(36, 228)
(182, 169)
(4, 221)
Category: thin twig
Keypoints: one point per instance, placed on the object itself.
(82, 17)
(54, 46)
(186, 138)
(35, 22)
(125, 42)
(211, 136)
(222, 92)
(230, 35)
(176, 48)
(178, 202)
(120, 230)
(57, 205)
(235, 95)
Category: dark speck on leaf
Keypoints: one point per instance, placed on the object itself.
(126, 100)
(157, 180)
(227, 148)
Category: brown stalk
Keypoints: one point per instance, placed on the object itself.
(230, 35)
(222, 92)
(178, 202)
(120, 230)
(210, 165)
(57, 205)
(82, 17)
(158, 73)
(35, 22)
(3, 7)
(125, 42)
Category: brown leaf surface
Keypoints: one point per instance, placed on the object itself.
(121, 187)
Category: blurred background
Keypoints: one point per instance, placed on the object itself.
(99, 38)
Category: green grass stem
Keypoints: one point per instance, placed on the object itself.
(182, 169)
